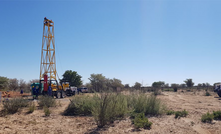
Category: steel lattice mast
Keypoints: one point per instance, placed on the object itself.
(48, 62)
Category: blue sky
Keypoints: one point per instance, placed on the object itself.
(132, 40)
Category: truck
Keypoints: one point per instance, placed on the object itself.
(217, 88)
(82, 90)
(71, 91)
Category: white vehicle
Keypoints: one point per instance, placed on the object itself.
(71, 91)
(83, 90)
(218, 89)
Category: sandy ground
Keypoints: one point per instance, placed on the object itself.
(194, 102)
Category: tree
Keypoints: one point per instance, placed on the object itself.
(182, 85)
(189, 83)
(3, 82)
(158, 84)
(22, 84)
(34, 81)
(208, 85)
(88, 85)
(204, 84)
(126, 86)
(200, 85)
(166, 85)
(115, 83)
(98, 82)
(174, 85)
(72, 77)
(137, 85)
(13, 84)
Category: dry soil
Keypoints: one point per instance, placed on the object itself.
(194, 102)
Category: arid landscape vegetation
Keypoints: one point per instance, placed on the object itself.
(66, 118)
(110, 67)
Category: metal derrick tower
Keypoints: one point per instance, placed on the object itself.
(48, 63)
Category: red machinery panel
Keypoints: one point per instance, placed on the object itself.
(45, 82)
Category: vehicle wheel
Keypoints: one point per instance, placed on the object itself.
(66, 93)
(219, 93)
(58, 95)
(62, 94)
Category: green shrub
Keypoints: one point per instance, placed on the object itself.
(168, 89)
(133, 115)
(207, 93)
(31, 108)
(109, 107)
(217, 115)
(80, 105)
(207, 117)
(141, 121)
(179, 114)
(170, 112)
(140, 103)
(47, 111)
(13, 105)
(153, 106)
(46, 101)
(137, 102)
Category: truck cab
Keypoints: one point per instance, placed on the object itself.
(217, 88)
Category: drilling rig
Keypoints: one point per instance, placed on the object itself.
(48, 84)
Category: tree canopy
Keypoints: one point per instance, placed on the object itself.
(72, 77)
(189, 82)
(174, 85)
(3, 82)
(126, 86)
(158, 84)
(13, 84)
(98, 82)
(115, 83)
(137, 85)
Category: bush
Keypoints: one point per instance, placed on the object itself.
(13, 105)
(109, 107)
(46, 101)
(140, 103)
(31, 108)
(141, 121)
(168, 89)
(175, 89)
(153, 106)
(179, 114)
(207, 93)
(170, 112)
(137, 102)
(207, 117)
(80, 105)
(47, 111)
(217, 115)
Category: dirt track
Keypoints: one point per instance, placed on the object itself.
(195, 103)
